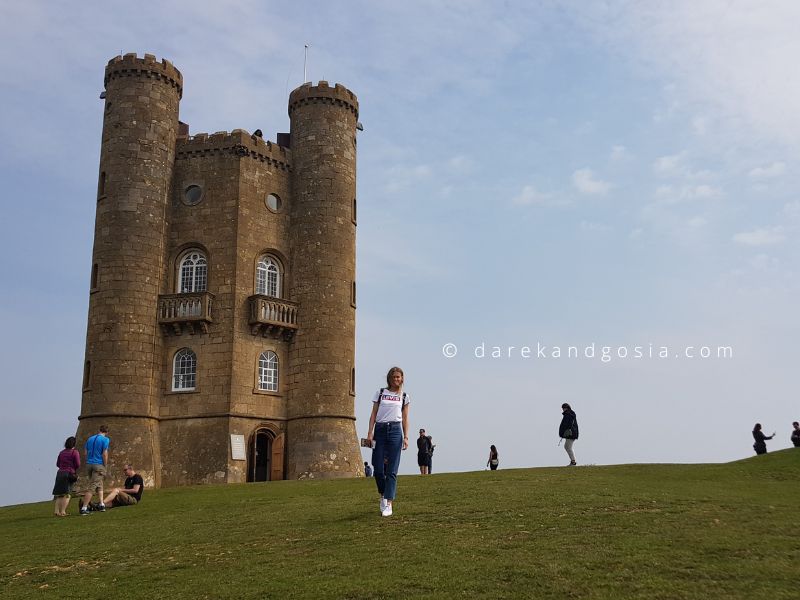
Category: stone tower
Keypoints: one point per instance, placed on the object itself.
(323, 239)
(123, 341)
(221, 330)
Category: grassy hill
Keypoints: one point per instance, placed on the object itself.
(630, 531)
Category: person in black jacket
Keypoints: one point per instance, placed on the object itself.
(568, 431)
(761, 445)
(795, 434)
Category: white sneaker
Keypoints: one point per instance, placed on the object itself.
(383, 504)
(387, 512)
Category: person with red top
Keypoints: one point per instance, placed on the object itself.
(68, 463)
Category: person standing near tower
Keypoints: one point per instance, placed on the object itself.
(388, 425)
(96, 460)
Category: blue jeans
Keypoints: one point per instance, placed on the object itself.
(388, 445)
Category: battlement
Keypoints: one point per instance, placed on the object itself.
(131, 65)
(323, 93)
(238, 142)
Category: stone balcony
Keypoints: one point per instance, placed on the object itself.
(273, 317)
(179, 313)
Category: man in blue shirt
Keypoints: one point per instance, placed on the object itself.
(96, 449)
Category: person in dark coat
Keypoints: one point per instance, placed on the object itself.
(761, 440)
(568, 431)
(795, 434)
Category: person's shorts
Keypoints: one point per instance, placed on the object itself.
(424, 460)
(96, 475)
(124, 499)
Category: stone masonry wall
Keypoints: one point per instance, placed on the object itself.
(321, 439)
(123, 343)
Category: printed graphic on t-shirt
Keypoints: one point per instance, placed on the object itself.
(391, 404)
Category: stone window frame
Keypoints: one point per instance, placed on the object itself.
(190, 367)
(94, 278)
(263, 370)
(269, 257)
(179, 272)
(280, 260)
(102, 180)
(280, 203)
(87, 375)
(186, 185)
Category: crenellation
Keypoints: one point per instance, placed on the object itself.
(130, 65)
(338, 95)
(238, 142)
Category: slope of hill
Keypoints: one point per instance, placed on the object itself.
(628, 531)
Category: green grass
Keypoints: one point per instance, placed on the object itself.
(631, 531)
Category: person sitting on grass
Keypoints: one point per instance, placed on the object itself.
(129, 495)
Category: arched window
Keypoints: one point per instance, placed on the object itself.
(192, 273)
(268, 371)
(184, 370)
(268, 276)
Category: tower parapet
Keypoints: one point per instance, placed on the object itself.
(322, 93)
(131, 65)
(238, 142)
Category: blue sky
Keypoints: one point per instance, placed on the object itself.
(616, 173)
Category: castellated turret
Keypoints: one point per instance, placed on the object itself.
(123, 341)
(221, 330)
(323, 236)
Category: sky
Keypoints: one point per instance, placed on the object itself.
(531, 174)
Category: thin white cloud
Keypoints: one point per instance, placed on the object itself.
(697, 222)
(592, 226)
(764, 236)
(401, 177)
(586, 183)
(668, 165)
(619, 153)
(792, 209)
(459, 163)
(735, 59)
(529, 195)
(776, 169)
(668, 194)
(700, 125)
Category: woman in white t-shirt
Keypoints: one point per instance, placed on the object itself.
(389, 424)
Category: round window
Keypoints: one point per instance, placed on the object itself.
(192, 195)
(273, 203)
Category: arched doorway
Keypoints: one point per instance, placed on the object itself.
(265, 455)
